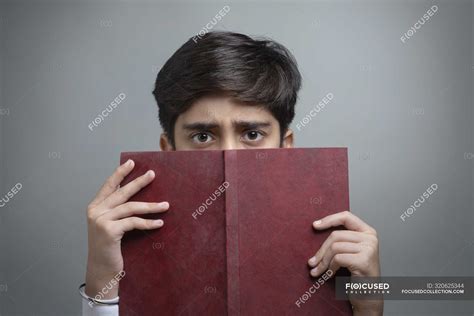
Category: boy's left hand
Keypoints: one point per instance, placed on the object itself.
(355, 249)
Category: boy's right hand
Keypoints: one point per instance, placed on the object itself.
(109, 216)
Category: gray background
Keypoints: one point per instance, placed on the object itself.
(404, 110)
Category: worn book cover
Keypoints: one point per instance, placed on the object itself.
(238, 234)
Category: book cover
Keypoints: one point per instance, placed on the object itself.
(238, 233)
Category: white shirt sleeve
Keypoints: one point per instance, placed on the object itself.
(99, 310)
(91, 309)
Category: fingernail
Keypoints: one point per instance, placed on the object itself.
(314, 272)
(129, 162)
(158, 222)
(164, 204)
(150, 173)
(312, 261)
(318, 222)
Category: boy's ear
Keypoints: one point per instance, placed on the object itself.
(287, 139)
(165, 144)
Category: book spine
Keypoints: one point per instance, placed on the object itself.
(232, 234)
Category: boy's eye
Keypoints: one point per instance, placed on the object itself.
(253, 135)
(201, 138)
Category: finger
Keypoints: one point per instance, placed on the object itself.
(131, 223)
(124, 193)
(347, 219)
(135, 208)
(334, 249)
(112, 183)
(335, 236)
(342, 260)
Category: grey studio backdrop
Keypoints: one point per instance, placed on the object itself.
(404, 110)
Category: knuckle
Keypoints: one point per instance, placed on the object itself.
(110, 183)
(131, 205)
(128, 207)
(334, 234)
(137, 184)
(148, 224)
(120, 170)
(373, 239)
(135, 221)
(375, 242)
(90, 217)
(374, 247)
(90, 208)
(120, 173)
(102, 225)
(324, 262)
(142, 180)
(149, 206)
(90, 212)
(139, 222)
(136, 207)
(121, 193)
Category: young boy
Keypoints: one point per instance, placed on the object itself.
(222, 91)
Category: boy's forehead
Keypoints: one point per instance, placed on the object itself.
(220, 109)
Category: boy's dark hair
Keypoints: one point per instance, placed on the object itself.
(250, 70)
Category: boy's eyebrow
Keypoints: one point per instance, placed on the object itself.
(236, 124)
(200, 126)
(250, 124)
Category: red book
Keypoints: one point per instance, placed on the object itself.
(238, 234)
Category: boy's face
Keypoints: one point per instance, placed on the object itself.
(219, 122)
